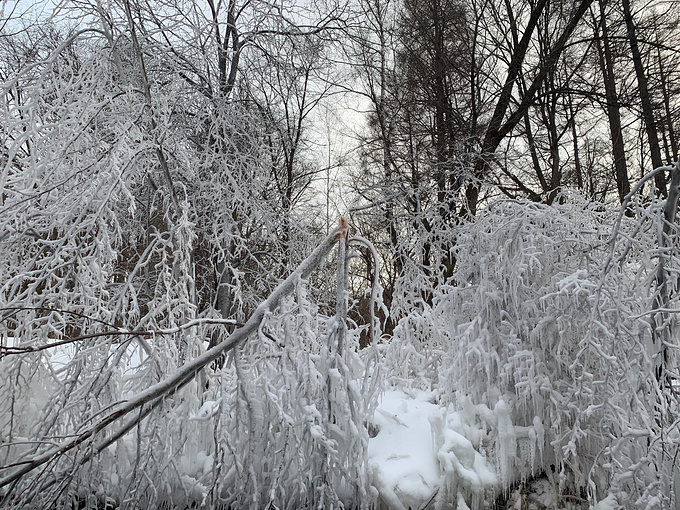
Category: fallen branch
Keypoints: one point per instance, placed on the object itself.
(154, 394)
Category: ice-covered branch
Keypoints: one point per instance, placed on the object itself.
(376, 289)
(341, 299)
(189, 370)
(19, 349)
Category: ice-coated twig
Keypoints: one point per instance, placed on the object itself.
(20, 349)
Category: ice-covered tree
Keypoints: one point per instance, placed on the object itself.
(140, 225)
(556, 336)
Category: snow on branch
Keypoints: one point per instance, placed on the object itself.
(183, 375)
(7, 350)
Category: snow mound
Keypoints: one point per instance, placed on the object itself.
(402, 456)
(422, 448)
(426, 455)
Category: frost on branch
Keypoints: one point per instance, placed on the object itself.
(546, 338)
(95, 257)
(290, 390)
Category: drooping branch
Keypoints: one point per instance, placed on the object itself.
(20, 349)
(341, 300)
(153, 395)
(660, 319)
(376, 289)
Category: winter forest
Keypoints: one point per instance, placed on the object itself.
(376, 254)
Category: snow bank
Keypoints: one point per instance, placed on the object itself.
(428, 455)
(402, 456)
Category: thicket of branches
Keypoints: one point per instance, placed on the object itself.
(563, 315)
(159, 182)
(147, 211)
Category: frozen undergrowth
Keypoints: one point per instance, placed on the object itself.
(550, 339)
(539, 361)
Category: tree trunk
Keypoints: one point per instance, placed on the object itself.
(645, 100)
(613, 111)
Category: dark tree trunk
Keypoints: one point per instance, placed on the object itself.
(645, 100)
(613, 112)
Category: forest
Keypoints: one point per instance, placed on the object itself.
(359, 254)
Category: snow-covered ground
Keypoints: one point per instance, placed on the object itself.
(423, 453)
(402, 456)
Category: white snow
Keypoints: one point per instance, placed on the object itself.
(608, 503)
(403, 456)
(425, 452)
(422, 450)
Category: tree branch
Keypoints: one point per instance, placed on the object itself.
(187, 372)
